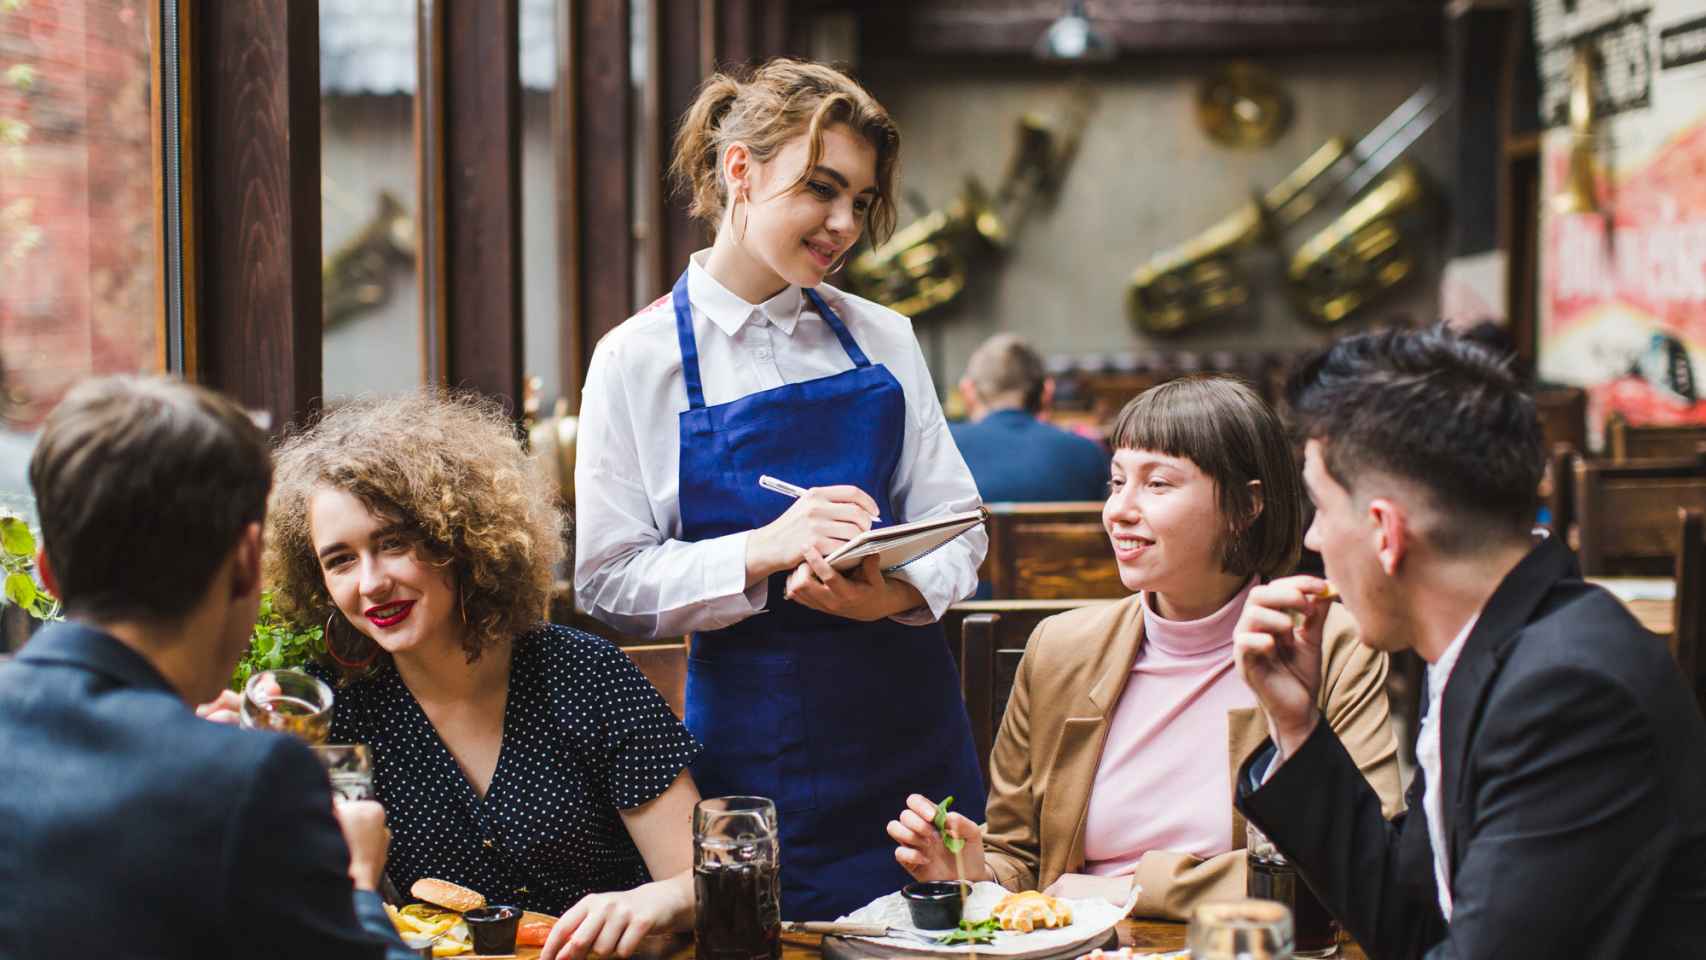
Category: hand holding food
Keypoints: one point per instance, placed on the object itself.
(1277, 644)
(924, 850)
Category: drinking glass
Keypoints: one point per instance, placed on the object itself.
(736, 880)
(350, 767)
(1270, 876)
(290, 701)
(1240, 930)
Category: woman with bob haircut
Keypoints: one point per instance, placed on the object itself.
(806, 685)
(1114, 763)
(528, 761)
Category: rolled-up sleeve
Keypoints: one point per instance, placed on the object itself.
(629, 571)
(932, 479)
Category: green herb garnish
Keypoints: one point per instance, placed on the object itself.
(982, 931)
(953, 843)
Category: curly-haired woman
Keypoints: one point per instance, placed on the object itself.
(528, 761)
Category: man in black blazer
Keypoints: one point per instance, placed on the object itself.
(129, 827)
(1559, 805)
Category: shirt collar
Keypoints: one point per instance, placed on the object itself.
(728, 311)
(1439, 672)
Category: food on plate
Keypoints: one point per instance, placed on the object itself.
(1029, 910)
(421, 924)
(447, 895)
(982, 931)
(533, 933)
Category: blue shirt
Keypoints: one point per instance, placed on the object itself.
(1013, 456)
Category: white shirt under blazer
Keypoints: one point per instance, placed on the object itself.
(632, 570)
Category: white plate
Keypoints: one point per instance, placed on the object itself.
(1091, 921)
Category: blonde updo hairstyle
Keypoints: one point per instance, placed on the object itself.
(764, 108)
(449, 468)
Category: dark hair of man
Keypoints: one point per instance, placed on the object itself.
(144, 485)
(1231, 434)
(1432, 409)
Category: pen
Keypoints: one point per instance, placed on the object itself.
(785, 488)
(781, 486)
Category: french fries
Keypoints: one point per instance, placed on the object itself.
(419, 921)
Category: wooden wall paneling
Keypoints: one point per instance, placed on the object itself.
(600, 198)
(257, 147)
(482, 198)
(683, 41)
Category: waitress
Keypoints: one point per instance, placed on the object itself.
(805, 686)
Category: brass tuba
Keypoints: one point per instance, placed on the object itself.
(1366, 250)
(1200, 280)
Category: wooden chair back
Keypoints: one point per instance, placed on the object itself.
(1628, 442)
(1050, 551)
(992, 637)
(1558, 491)
(1563, 414)
(1688, 623)
(1625, 513)
(665, 665)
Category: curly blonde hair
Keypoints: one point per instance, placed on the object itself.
(450, 469)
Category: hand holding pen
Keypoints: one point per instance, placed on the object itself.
(821, 518)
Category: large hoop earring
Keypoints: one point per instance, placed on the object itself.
(742, 202)
(349, 663)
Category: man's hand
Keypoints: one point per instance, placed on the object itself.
(862, 594)
(1278, 647)
(369, 840)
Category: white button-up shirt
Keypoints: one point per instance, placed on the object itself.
(1428, 755)
(632, 569)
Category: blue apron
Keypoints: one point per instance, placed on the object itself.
(835, 720)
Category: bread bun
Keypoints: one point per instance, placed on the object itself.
(448, 895)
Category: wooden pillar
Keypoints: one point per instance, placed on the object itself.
(257, 149)
(683, 41)
(596, 157)
(479, 139)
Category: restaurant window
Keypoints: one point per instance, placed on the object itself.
(541, 248)
(80, 237)
(369, 213)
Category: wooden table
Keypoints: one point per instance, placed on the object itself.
(1149, 935)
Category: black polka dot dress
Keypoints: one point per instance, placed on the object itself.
(585, 735)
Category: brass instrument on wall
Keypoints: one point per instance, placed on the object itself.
(1202, 280)
(1580, 190)
(1365, 251)
(925, 264)
(359, 275)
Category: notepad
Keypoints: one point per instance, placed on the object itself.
(903, 543)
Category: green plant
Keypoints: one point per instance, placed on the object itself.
(277, 643)
(18, 563)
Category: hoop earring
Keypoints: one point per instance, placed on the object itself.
(743, 201)
(351, 664)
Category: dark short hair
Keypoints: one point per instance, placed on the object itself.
(1230, 433)
(1432, 409)
(144, 485)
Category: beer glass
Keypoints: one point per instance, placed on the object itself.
(350, 768)
(736, 880)
(1272, 877)
(1240, 930)
(290, 701)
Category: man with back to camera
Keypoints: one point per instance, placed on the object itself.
(128, 826)
(1559, 805)
(1014, 456)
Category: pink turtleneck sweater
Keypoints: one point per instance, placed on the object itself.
(1163, 782)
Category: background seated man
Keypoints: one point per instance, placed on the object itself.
(128, 826)
(1561, 780)
(1013, 455)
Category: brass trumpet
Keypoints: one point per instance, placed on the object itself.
(1200, 279)
(1365, 251)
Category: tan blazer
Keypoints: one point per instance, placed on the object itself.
(1050, 743)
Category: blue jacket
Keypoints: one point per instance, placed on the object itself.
(129, 827)
(1013, 456)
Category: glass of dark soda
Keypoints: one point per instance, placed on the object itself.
(1272, 877)
(735, 880)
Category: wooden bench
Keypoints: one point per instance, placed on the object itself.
(1563, 414)
(1626, 441)
(1625, 513)
(1050, 551)
(992, 637)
